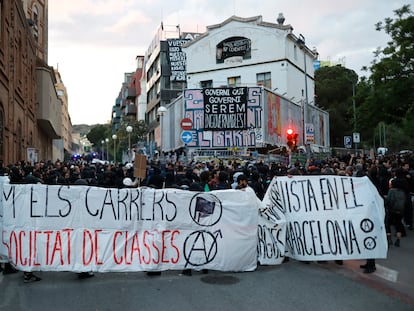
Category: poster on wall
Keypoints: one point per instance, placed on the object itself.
(177, 59)
(233, 47)
(194, 104)
(225, 108)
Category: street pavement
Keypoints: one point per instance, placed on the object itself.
(394, 275)
(292, 286)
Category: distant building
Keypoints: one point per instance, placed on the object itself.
(66, 135)
(165, 66)
(131, 101)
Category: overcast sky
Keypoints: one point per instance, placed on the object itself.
(94, 42)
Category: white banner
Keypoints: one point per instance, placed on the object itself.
(80, 228)
(328, 217)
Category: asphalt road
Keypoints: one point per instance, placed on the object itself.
(290, 286)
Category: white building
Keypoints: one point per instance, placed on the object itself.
(250, 52)
(274, 70)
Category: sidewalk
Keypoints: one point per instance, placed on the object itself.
(394, 275)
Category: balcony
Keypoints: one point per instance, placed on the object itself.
(131, 110)
(49, 109)
(131, 93)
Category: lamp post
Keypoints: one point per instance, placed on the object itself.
(114, 137)
(107, 150)
(161, 112)
(129, 131)
(301, 42)
(103, 149)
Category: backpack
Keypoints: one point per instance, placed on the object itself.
(396, 200)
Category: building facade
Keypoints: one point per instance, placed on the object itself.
(18, 112)
(166, 76)
(249, 52)
(37, 18)
(248, 81)
(67, 140)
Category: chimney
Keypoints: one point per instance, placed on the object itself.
(280, 19)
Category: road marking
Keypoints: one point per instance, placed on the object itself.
(386, 273)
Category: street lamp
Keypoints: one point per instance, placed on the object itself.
(129, 131)
(114, 137)
(103, 149)
(107, 150)
(161, 112)
(301, 42)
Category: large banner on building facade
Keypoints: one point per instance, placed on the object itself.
(80, 228)
(225, 108)
(248, 135)
(176, 59)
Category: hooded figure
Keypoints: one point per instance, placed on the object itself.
(235, 183)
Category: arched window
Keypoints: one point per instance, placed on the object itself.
(35, 12)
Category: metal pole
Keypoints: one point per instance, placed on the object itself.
(380, 135)
(103, 150)
(302, 45)
(114, 137)
(129, 147)
(353, 106)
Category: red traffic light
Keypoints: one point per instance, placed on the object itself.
(291, 138)
(289, 135)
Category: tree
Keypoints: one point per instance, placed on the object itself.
(334, 88)
(138, 136)
(98, 133)
(391, 85)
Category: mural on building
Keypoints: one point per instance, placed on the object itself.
(267, 118)
(233, 47)
(274, 124)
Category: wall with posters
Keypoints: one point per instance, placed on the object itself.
(238, 117)
(247, 131)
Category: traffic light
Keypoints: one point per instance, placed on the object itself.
(295, 138)
(290, 137)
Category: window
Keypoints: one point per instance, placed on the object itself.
(206, 83)
(35, 12)
(35, 15)
(264, 79)
(234, 81)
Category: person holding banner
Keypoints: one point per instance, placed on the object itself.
(369, 266)
(17, 177)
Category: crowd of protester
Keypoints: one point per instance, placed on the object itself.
(385, 172)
